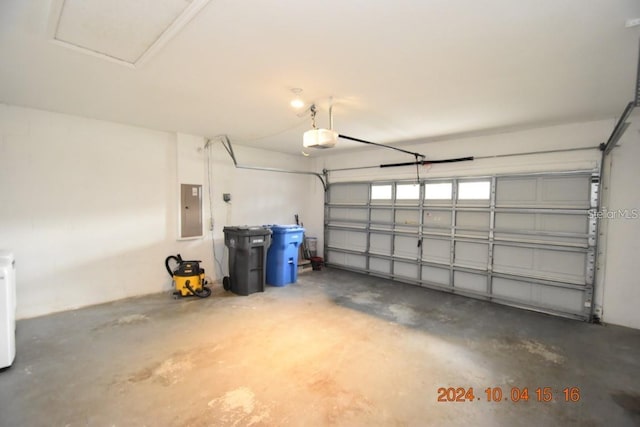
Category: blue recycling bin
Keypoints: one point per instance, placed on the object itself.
(282, 257)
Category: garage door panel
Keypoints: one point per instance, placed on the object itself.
(470, 281)
(405, 247)
(471, 254)
(513, 289)
(522, 223)
(437, 219)
(382, 215)
(349, 214)
(566, 190)
(380, 243)
(509, 258)
(472, 234)
(337, 214)
(379, 265)
(515, 221)
(336, 258)
(544, 296)
(407, 217)
(405, 270)
(542, 239)
(381, 219)
(352, 240)
(337, 239)
(516, 190)
(349, 193)
(347, 260)
(436, 250)
(549, 191)
(357, 240)
(561, 299)
(570, 266)
(356, 261)
(473, 220)
(435, 275)
(564, 223)
(543, 263)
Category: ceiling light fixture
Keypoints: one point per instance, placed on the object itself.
(297, 102)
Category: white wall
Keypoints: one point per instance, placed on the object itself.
(90, 207)
(588, 134)
(260, 197)
(621, 231)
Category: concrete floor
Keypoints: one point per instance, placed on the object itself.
(334, 349)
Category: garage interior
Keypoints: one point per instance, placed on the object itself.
(469, 173)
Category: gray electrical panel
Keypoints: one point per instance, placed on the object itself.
(190, 210)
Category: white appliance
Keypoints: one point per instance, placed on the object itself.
(7, 309)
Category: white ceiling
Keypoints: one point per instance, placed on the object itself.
(397, 70)
(120, 29)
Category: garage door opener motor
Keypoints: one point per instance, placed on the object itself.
(188, 278)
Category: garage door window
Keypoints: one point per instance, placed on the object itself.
(381, 192)
(439, 191)
(408, 191)
(474, 190)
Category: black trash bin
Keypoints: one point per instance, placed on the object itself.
(247, 258)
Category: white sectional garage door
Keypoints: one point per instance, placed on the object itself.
(522, 240)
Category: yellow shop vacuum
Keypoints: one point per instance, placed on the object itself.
(188, 277)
